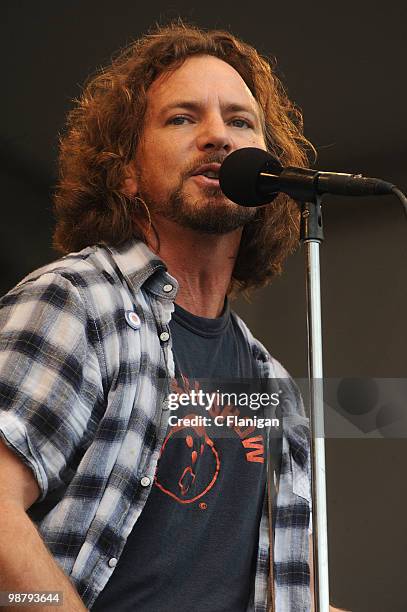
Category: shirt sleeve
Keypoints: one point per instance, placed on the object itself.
(50, 380)
(297, 430)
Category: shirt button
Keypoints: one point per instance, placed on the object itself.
(145, 481)
(168, 288)
(112, 562)
(164, 336)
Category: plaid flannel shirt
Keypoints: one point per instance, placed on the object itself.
(83, 404)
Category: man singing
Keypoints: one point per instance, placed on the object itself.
(100, 499)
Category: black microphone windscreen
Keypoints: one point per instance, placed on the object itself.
(239, 172)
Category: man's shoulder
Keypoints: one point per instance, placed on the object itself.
(77, 283)
(72, 265)
(105, 266)
(91, 274)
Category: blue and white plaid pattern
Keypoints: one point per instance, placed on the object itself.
(83, 403)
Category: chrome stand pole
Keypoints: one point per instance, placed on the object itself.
(312, 236)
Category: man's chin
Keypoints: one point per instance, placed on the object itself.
(213, 217)
(208, 212)
(214, 198)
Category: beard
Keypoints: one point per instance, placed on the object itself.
(212, 213)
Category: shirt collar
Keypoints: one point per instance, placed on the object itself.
(141, 267)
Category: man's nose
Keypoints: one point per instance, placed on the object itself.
(214, 135)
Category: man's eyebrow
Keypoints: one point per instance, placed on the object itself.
(196, 106)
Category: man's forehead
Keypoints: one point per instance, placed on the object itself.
(197, 77)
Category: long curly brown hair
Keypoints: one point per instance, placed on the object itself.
(104, 128)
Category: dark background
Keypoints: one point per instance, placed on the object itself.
(344, 65)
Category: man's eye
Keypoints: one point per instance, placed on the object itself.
(241, 123)
(178, 120)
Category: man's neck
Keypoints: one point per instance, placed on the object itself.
(202, 264)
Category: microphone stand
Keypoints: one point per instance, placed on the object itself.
(311, 234)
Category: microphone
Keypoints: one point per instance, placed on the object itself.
(252, 177)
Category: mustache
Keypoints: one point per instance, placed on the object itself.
(209, 159)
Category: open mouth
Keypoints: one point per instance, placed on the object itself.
(201, 179)
(207, 174)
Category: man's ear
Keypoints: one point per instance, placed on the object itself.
(130, 183)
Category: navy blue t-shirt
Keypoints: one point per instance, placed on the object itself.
(194, 546)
